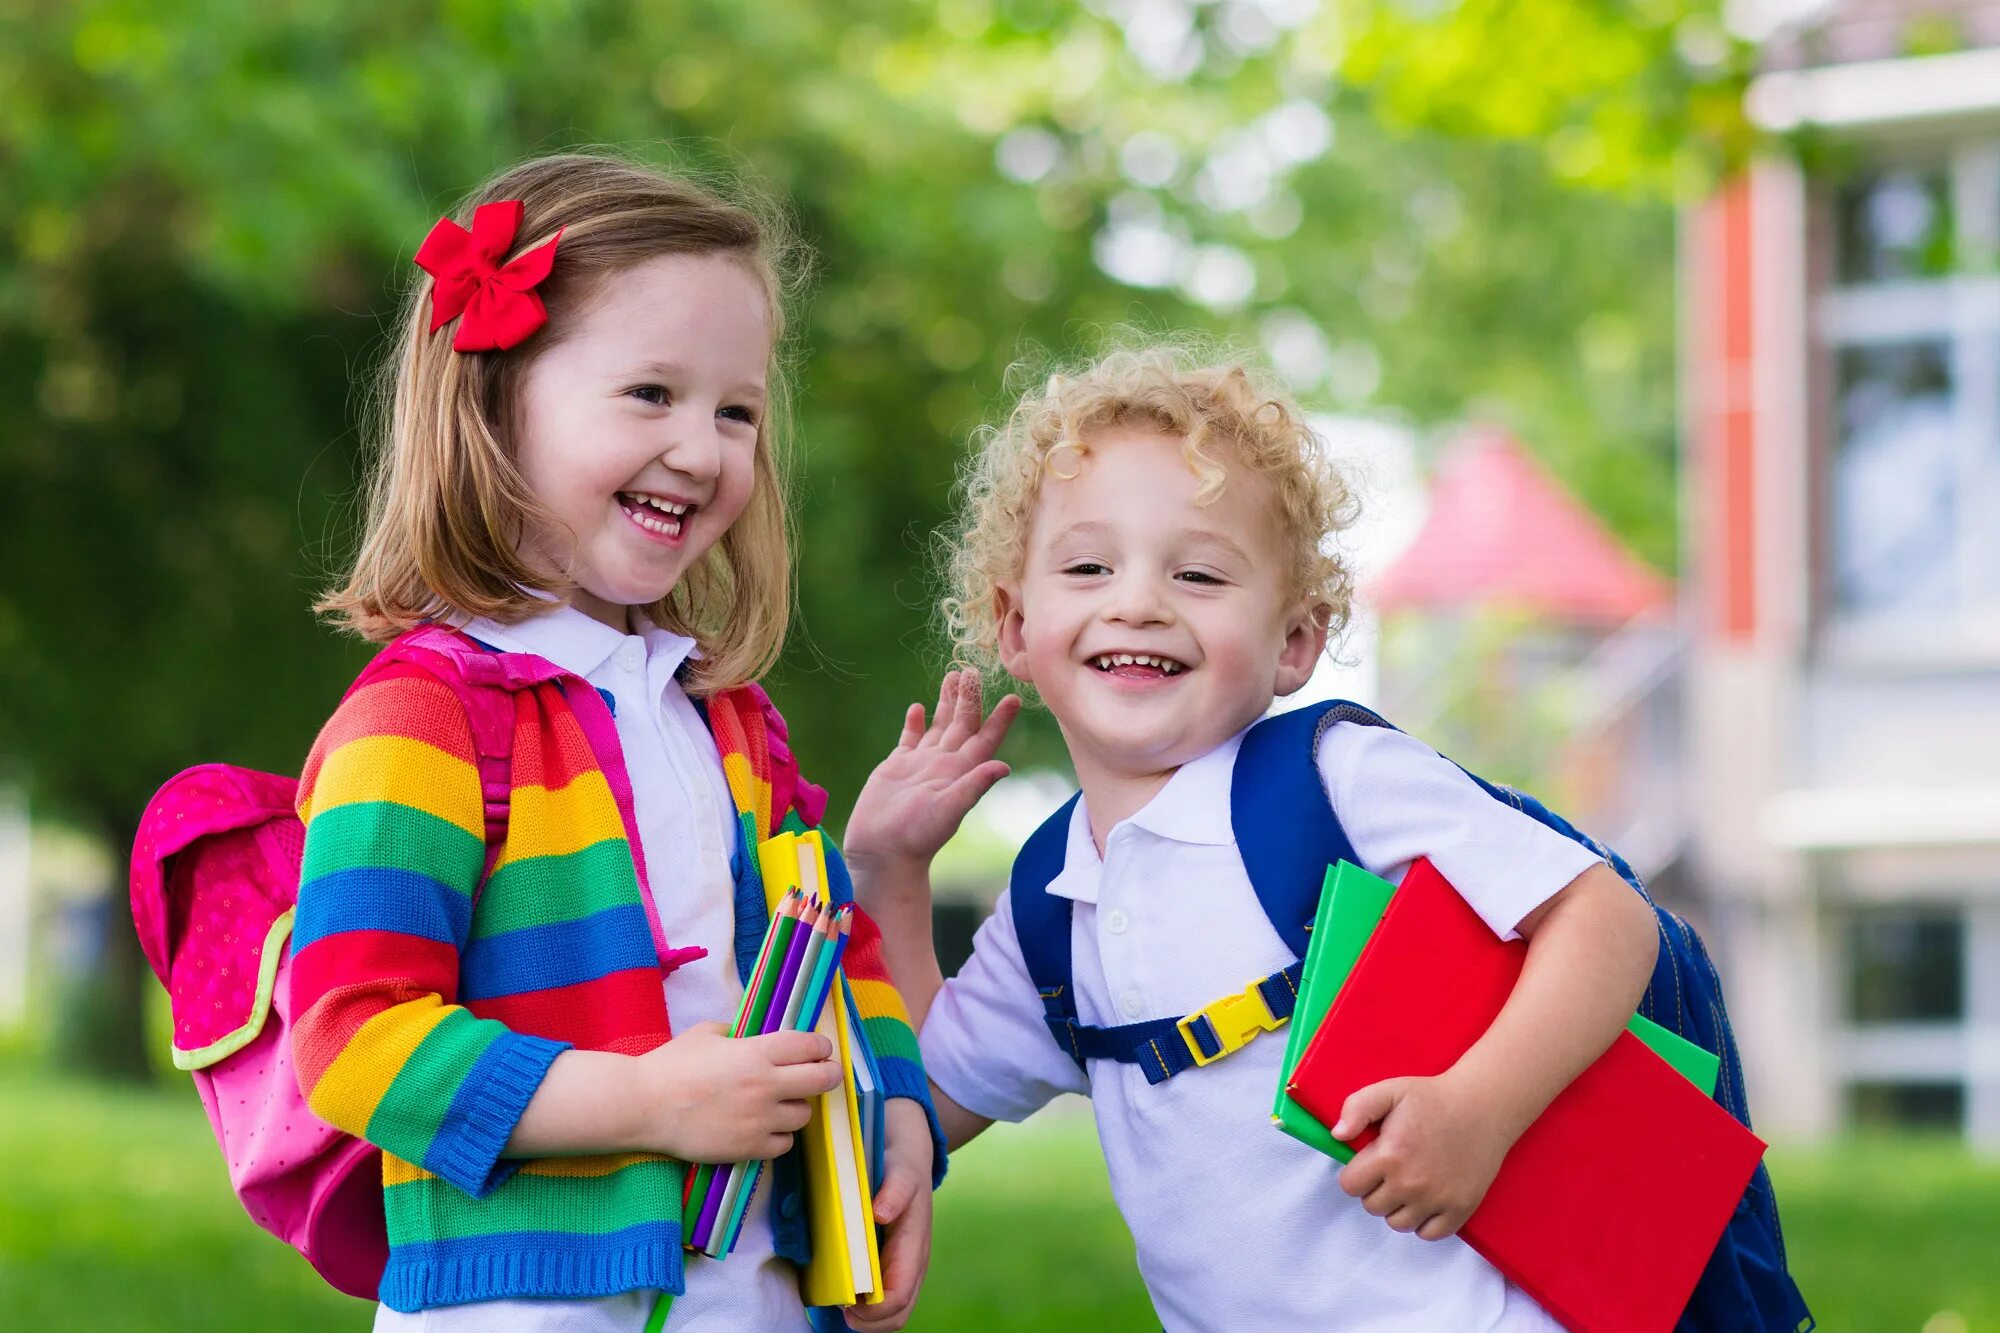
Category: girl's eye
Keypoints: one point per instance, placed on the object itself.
(1199, 576)
(656, 394)
(742, 414)
(1085, 569)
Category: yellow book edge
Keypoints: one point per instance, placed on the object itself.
(839, 1196)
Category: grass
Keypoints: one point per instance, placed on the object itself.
(116, 1216)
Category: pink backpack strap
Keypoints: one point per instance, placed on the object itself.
(486, 692)
(486, 681)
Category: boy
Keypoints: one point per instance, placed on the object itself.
(1147, 545)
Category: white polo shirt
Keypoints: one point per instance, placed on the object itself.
(1237, 1225)
(687, 832)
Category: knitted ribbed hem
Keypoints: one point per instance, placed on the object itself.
(906, 1078)
(490, 1103)
(526, 1265)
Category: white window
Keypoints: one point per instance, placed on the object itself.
(1910, 320)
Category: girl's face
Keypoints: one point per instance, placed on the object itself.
(638, 428)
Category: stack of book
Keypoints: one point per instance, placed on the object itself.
(1607, 1209)
(796, 985)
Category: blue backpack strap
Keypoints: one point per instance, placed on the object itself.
(1283, 817)
(1288, 835)
(1042, 924)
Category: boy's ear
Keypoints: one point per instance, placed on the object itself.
(1305, 644)
(1011, 638)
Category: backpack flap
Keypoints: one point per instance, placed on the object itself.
(214, 880)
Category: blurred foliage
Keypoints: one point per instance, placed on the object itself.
(207, 211)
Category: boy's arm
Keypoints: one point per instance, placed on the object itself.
(1591, 950)
(900, 897)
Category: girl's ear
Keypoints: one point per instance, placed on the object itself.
(1012, 635)
(1305, 644)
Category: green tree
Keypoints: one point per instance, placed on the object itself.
(207, 211)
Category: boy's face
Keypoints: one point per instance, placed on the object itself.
(1122, 564)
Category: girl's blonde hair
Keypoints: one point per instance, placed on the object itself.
(446, 502)
(1227, 414)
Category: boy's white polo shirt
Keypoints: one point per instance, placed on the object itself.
(1237, 1225)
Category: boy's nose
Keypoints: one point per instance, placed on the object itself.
(1136, 601)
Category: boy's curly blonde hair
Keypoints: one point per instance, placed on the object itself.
(1228, 413)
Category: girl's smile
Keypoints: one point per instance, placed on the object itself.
(639, 427)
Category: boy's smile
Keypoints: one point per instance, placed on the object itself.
(1154, 627)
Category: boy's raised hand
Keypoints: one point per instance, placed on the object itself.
(1433, 1160)
(917, 797)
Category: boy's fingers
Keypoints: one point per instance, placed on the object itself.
(965, 710)
(913, 727)
(988, 738)
(1438, 1227)
(947, 702)
(1367, 1105)
(1362, 1176)
(967, 788)
(708, 1029)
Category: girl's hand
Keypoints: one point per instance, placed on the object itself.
(915, 799)
(707, 1097)
(1434, 1159)
(903, 1210)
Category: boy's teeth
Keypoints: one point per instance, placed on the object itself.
(1107, 661)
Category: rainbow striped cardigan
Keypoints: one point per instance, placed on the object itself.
(426, 1010)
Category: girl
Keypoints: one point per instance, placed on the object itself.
(579, 471)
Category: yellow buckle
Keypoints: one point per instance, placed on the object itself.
(1233, 1019)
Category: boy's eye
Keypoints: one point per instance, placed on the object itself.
(1198, 576)
(656, 394)
(1085, 569)
(742, 414)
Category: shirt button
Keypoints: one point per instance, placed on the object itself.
(1129, 1002)
(1115, 921)
(632, 655)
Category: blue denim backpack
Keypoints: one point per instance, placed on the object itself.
(1288, 833)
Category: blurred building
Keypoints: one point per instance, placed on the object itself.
(1842, 501)
(1550, 655)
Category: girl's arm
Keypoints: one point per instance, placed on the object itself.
(1591, 950)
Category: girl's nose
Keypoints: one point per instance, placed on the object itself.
(694, 449)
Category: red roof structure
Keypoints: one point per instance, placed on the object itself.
(1502, 531)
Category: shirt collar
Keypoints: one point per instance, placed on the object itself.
(1192, 808)
(1194, 805)
(664, 648)
(562, 634)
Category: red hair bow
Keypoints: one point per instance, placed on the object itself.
(497, 302)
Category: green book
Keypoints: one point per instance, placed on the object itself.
(1351, 903)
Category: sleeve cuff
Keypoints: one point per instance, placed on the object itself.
(906, 1078)
(490, 1102)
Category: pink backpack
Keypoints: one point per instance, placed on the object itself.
(215, 877)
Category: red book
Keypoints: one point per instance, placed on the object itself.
(1608, 1208)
